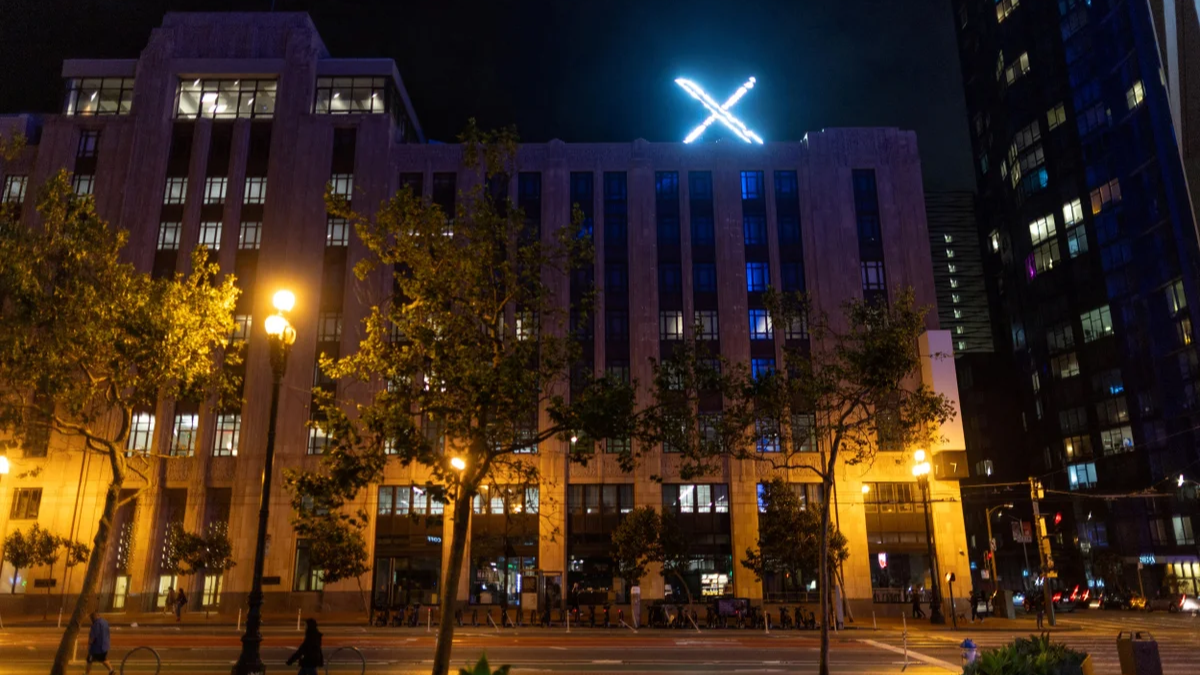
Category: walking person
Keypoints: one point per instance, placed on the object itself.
(309, 654)
(1041, 612)
(170, 604)
(917, 613)
(975, 598)
(98, 644)
(181, 600)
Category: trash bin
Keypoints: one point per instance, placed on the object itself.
(1138, 653)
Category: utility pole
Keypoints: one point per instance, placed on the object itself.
(1047, 563)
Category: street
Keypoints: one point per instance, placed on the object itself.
(212, 649)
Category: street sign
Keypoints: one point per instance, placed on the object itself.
(1022, 532)
(992, 542)
(985, 574)
(1051, 574)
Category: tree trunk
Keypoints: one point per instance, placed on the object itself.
(841, 579)
(91, 576)
(458, 548)
(823, 583)
(362, 595)
(687, 589)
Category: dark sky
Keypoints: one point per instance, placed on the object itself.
(585, 70)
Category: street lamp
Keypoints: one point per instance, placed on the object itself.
(921, 470)
(458, 463)
(280, 338)
(991, 546)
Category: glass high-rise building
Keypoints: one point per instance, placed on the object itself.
(1078, 113)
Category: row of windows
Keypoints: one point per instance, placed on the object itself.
(671, 326)
(226, 98)
(215, 189)
(184, 434)
(337, 233)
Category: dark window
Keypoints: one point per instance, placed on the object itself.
(26, 502)
(306, 578)
(866, 207)
(616, 207)
(702, 230)
(616, 324)
(791, 276)
(444, 192)
(669, 278)
(89, 139)
(755, 228)
(582, 195)
(616, 277)
(704, 278)
(414, 181)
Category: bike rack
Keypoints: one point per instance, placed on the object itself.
(339, 650)
(157, 659)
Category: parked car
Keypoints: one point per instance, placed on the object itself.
(1173, 602)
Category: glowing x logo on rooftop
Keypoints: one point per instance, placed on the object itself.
(719, 113)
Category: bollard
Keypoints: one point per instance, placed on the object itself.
(568, 622)
(429, 620)
(297, 619)
(239, 625)
(60, 617)
(874, 623)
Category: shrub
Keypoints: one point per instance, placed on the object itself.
(1028, 656)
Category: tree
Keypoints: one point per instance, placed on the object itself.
(28, 550)
(210, 553)
(86, 340)
(635, 543)
(789, 537)
(838, 397)
(471, 344)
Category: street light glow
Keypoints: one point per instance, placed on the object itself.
(866, 488)
(276, 325)
(920, 469)
(284, 300)
(3, 465)
(919, 455)
(458, 463)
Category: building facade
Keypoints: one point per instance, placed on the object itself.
(226, 131)
(1090, 239)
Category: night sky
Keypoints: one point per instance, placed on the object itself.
(584, 70)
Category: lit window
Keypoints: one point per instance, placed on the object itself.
(318, 440)
(958, 313)
(176, 191)
(1135, 95)
(1097, 323)
(1042, 259)
(760, 325)
(952, 268)
(1104, 195)
(1041, 229)
(348, 95)
(706, 325)
(329, 327)
(214, 189)
(183, 435)
(872, 275)
(226, 99)
(761, 367)
(949, 239)
(758, 277)
(953, 283)
(1017, 68)
(797, 328)
(1004, 8)
(1064, 366)
(1077, 447)
(99, 96)
(14, 189)
(1117, 440)
(1056, 116)
(995, 240)
(210, 235)
(1081, 476)
(168, 236)
(949, 253)
(961, 345)
(256, 190)
(250, 236)
(83, 184)
(526, 327)
(670, 324)
(1077, 243)
(337, 232)
(959, 330)
(141, 433)
(954, 297)
(342, 184)
(241, 327)
(1176, 299)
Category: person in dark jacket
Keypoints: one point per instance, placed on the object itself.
(98, 644)
(309, 654)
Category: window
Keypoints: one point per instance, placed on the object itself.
(337, 232)
(1096, 324)
(1017, 68)
(176, 191)
(670, 278)
(184, 433)
(755, 227)
(89, 141)
(210, 234)
(1112, 411)
(1041, 229)
(872, 275)
(702, 230)
(83, 184)
(1116, 441)
(306, 577)
(670, 324)
(26, 502)
(349, 95)
(1106, 194)
(752, 185)
(616, 324)
(1072, 213)
(1077, 243)
(1042, 259)
(1092, 118)
(1004, 8)
(1073, 420)
(767, 434)
(342, 184)
(14, 189)
(214, 189)
(99, 96)
(616, 278)
(761, 367)
(704, 278)
(760, 325)
(1056, 116)
(241, 327)
(229, 430)
(866, 206)
(1176, 298)
(696, 498)
(1060, 337)
(1064, 366)
(141, 433)
(1158, 532)
(1134, 95)
(168, 236)
(893, 498)
(706, 325)
(1108, 383)
(791, 276)
(994, 239)
(250, 236)
(1077, 447)
(797, 328)
(318, 440)
(256, 190)
(329, 327)
(1081, 476)
(225, 99)
(1184, 536)
(758, 277)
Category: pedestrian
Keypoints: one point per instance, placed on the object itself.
(975, 597)
(309, 654)
(98, 644)
(574, 599)
(917, 613)
(1041, 612)
(170, 605)
(181, 599)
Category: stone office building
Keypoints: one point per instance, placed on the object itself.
(226, 130)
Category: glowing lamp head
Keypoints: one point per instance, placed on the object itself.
(284, 300)
(920, 469)
(919, 456)
(1179, 482)
(574, 438)
(3, 465)
(866, 489)
(277, 325)
(458, 463)
(1008, 505)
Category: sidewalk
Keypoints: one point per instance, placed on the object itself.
(1020, 624)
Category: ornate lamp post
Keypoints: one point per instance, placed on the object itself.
(921, 471)
(280, 336)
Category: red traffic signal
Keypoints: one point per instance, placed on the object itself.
(1058, 517)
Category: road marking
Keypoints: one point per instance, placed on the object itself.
(916, 655)
(606, 662)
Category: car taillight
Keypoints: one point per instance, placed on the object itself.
(1182, 599)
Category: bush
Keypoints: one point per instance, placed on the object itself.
(1028, 656)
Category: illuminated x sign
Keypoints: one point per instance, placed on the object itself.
(719, 113)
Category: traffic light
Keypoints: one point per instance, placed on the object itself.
(1057, 518)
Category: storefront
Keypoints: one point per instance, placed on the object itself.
(504, 543)
(897, 544)
(408, 548)
(593, 512)
(701, 513)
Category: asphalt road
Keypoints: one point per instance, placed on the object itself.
(202, 649)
